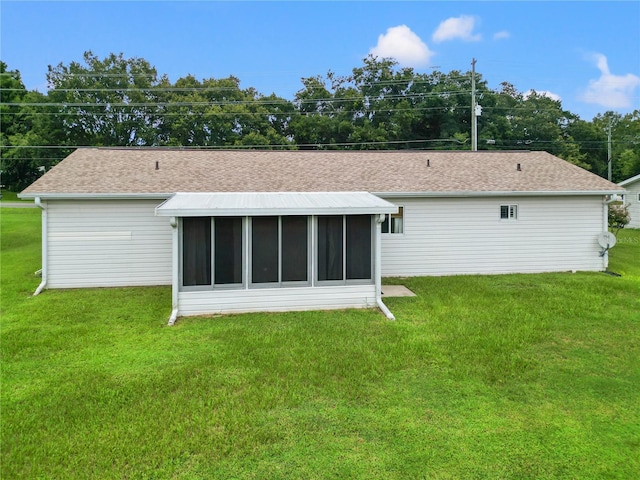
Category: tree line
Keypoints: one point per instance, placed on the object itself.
(118, 101)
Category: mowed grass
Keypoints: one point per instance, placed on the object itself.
(8, 196)
(510, 376)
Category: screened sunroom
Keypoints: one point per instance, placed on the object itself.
(275, 251)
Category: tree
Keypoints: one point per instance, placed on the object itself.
(29, 140)
(108, 102)
(217, 112)
(626, 147)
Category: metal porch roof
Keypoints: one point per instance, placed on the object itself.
(273, 203)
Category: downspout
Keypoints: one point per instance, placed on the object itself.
(175, 275)
(605, 223)
(45, 243)
(378, 269)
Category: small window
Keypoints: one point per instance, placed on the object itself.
(508, 212)
(394, 222)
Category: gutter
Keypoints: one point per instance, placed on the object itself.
(45, 243)
(467, 194)
(378, 269)
(96, 196)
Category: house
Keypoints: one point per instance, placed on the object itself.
(632, 199)
(239, 230)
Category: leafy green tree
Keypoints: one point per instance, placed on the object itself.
(626, 146)
(106, 102)
(29, 139)
(625, 143)
(323, 116)
(217, 112)
(591, 142)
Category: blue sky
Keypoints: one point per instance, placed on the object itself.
(587, 54)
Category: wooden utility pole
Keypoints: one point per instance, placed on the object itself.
(609, 152)
(474, 120)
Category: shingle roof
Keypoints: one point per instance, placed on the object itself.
(104, 171)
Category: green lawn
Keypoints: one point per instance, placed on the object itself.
(510, 376)
(8, 196)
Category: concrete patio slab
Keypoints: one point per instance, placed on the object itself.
(396, 291)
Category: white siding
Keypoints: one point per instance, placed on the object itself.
(466, 236)
(107, 243)
(632, 202)
(276, 299)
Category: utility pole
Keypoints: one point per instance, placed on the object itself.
(474, 120)
(609, 152)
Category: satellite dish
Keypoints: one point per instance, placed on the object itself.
(607, 240)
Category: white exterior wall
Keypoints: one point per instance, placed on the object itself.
(275, 299)
(104, 243)
(632, 201)
(448, 236)
(107, 243)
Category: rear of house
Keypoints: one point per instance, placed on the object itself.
(290, 230)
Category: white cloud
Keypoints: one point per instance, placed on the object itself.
(457, 28)
(401, 44)
(501, 35)
(610, 91)
(543, 93)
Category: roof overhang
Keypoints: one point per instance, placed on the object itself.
(629, 181)
(273, 203)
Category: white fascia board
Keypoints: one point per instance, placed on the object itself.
(95, 196)
(545, 193)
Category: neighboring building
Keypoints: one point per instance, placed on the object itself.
(632, 199)
(245, 230)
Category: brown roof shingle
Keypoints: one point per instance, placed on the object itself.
(133, 171)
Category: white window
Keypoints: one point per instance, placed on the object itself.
(394, 222)
(508, 212)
